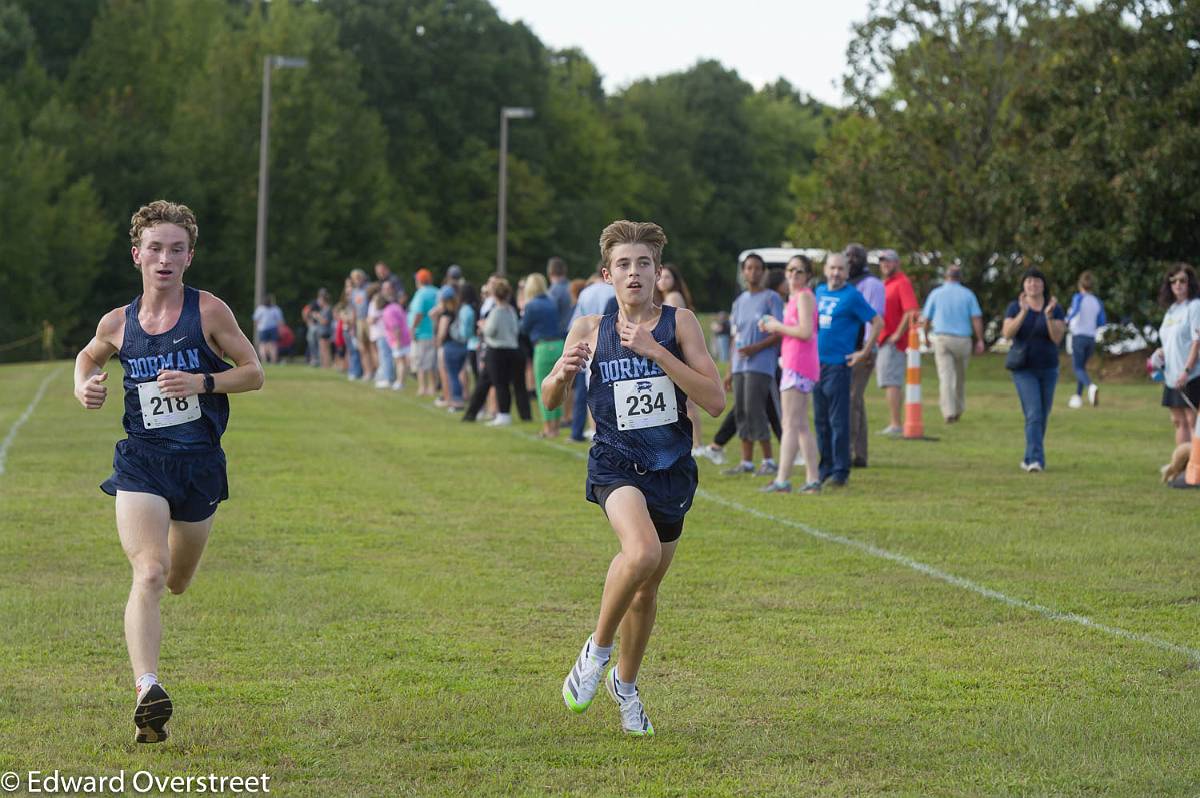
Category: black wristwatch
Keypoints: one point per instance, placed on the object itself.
(209, 383)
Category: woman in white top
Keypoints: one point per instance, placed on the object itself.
(1179, 337)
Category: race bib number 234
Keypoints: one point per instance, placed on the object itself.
(646, 402)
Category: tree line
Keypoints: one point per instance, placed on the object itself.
(994, 133)
(1014, 132)
(385, 147)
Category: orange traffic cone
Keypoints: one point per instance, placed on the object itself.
(913, 426)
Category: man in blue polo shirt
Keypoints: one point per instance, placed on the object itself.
(951, 314)
(841, 311)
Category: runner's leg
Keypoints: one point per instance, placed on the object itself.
(143, 520)
(639, 620)
(639, 559)
(186, 541)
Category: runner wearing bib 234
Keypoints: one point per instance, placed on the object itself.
(648, 360)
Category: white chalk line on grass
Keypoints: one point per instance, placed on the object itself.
(12, 432)
(900, 559)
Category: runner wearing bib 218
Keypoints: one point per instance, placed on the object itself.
(169, 472)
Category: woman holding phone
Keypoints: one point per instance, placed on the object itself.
(1035, 323)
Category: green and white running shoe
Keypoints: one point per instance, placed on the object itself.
(633, 715)
(579, 688)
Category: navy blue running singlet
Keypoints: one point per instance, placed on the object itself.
(182, 348)
(638, 384)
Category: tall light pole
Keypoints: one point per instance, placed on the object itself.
(260, 238)
(506, 114)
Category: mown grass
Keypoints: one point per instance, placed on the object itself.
(391, 598)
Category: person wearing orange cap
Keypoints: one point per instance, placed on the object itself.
(424, 353)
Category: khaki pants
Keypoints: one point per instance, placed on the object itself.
(860, 376)
(951, 353)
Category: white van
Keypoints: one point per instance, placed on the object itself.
(777, 258)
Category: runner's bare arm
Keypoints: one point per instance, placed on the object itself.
(577, 351)
(697, 374)
(89, 364)
(222, 329)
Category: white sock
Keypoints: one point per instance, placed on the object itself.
(145, 681)
(769, 461)
(747, 464)
(626, 689)
(599, 654)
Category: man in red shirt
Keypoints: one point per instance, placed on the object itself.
(900, 310)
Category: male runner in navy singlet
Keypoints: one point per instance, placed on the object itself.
(169, 472)
(646, 362)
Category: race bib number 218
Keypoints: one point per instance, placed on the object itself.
(165, 411)
(647, 402)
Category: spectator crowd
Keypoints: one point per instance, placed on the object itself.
(801, 345)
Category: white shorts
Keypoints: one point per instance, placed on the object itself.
(424, 355)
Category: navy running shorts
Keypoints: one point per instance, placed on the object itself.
(193, 483)
(668, 493)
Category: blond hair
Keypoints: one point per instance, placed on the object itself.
(626, 232)
(535, 286)
(163, 212)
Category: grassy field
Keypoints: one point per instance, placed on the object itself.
(391, 599)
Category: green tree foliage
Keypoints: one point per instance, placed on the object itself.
(926, 161)
(717, 159)
(60, 27)
(438, 72)
(54, 231)
(1114, 129)
(183, 122)
(384, 147)
(1000, 133)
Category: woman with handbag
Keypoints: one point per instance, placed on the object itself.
(1035, 323)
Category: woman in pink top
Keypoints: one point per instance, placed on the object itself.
(399, 338)
(801, 370)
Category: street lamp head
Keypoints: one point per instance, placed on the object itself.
(517, 113)
(288, 62)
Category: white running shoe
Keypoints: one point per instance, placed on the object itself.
(151, 715)
(1093, 394)
(382, 384)
(579, 688)
(633, 714)
(501, 420)
(717, 456)
(1075, 402)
